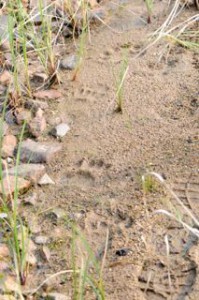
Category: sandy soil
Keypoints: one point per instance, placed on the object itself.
(98, 174)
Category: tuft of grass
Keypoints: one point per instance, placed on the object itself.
(123, 71)
(149, 185)
(81, 51)
(90, 274)
(85, 29)
(45, 49)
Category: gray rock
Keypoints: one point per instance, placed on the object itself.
(35, 152)
(45, 180)
(60, 130)
(68, 62)
(32, 172)
(41, 240)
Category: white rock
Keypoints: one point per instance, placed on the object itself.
(3, 216)
(41, 240)
(45, 180)
(9, 160)
(60, 130)
(69, 62)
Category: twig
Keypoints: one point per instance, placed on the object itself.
(49, 278)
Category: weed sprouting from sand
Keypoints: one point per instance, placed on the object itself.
(120, 81)
(149, 185)
(81, 48)
(90, 271)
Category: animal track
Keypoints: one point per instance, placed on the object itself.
(85, 93)
(91, 169)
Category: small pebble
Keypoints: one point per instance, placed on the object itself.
(3, 216)
(60, 130)
(41, 240)
(45, 180)
(9, 160)
(58, 213)
(68, 62)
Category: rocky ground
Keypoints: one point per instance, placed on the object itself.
(81, 164)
